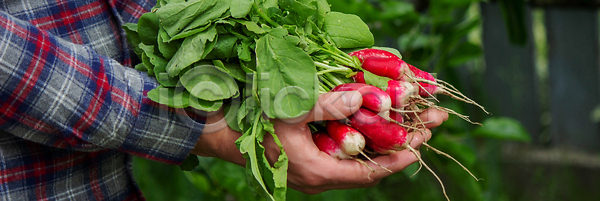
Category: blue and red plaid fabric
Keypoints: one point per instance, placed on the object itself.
(72, 110)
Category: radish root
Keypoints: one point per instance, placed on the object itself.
(366, 165)
(430, 170)
(450, 157)
(372, 161)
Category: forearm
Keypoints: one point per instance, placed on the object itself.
(65, 95)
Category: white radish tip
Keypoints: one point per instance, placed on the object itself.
(353, 143)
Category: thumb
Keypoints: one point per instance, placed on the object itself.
(331, 106)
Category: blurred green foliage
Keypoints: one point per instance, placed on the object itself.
(439, 36)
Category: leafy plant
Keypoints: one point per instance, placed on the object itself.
(254, 37)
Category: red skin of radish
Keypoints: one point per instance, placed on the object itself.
(370, 53)
(351, 141)
(396, 116)
(376, 148)
(329, 146)
(373, 98)
(359, 77)
(384, 134)
(386, 67)
(425, 89)
(399, 91)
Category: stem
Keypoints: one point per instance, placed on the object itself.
(327, 82)
(329, 68)
(334, 79)
(264, 16)
(330, 71)
(337, 54)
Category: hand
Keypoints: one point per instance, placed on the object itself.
(310, 170)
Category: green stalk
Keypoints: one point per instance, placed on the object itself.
(264, 16)
(334, 79)
(327, 82)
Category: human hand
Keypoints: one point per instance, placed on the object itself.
(310, 170)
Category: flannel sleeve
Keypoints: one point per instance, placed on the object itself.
(65, 95)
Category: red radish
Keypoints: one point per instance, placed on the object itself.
(397, 116)
(425, 89)
(387, 67)
(400, 92)
(428, 86)
(370, 53)
(359, 77)
(383, 137)
(329, 146)
(376, 148)
(384, 134)
(373, 98)
(351, 141)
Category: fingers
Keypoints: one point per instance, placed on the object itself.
(433, 116)
(331, 106)
(395, 162)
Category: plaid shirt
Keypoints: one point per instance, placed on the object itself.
(72, 111)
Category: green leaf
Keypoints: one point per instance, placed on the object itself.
(376, 80)
(243, 50)
(465, 52)
(235, 70)
(230, 111)
(299, 11)
(200, 181)
(174, 17)
(147, 64)
(133, 37)
(218, 11)
(225, 47)
(389, 49)
(286, 78)
(148, 28)
(322, 10)
(244, 113)
(140, 67)
(190, 162)
(186, 33)
(160, 72)
(168, 49)
(241, 8)
(172, 97)
(503, 128)
(204, 105)
(252, 26)
(347, 30)
(191, 51)
(206, 82)
(249, 146)
(280, 167)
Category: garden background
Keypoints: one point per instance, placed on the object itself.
(535, 65)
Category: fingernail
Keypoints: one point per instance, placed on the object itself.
(352, 99)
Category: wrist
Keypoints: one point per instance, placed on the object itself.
(218, 140)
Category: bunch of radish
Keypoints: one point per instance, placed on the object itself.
(389, 111)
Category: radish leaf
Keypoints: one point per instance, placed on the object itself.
(208, 83)
(347, 30)
(172, 97)
(241, 8)
(286, 78)
(148, 28)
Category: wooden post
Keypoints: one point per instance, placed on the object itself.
(510, 79)
(574, 77)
